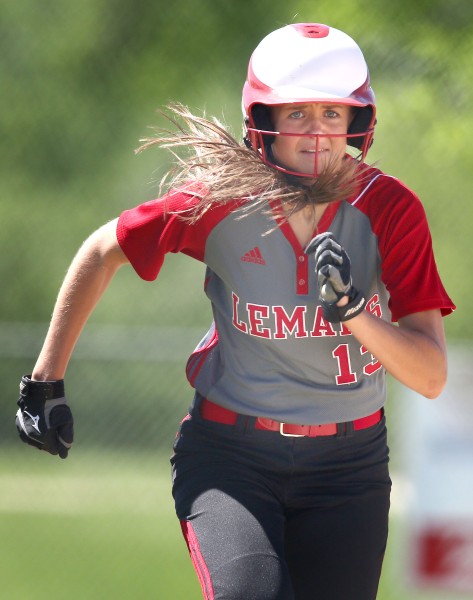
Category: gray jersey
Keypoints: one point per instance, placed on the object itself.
(269, 351)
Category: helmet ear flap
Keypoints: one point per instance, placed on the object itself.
(261, 116)
(361, 123)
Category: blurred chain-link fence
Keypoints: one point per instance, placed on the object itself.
(81, 83)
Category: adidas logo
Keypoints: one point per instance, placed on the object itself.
(254, 256)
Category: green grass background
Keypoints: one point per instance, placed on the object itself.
(101, 528)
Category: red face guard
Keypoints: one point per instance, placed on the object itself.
(257, 140)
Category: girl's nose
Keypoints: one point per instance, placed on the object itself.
(314, 125)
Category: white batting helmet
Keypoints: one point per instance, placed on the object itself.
(307, 62)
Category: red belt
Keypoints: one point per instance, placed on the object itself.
(219, 414)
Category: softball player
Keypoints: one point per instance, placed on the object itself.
(321, 277)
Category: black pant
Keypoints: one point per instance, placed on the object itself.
(268, 517)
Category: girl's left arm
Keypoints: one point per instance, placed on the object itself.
(414, 352)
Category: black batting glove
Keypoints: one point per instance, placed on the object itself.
(332, 267)
(44, 420)
(333, 271)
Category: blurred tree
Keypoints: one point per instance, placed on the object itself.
(82, 81)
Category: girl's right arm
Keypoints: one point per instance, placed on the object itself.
(88, 277)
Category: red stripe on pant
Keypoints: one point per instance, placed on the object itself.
(198, 560)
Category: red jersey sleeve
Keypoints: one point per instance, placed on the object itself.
(409, 270)
(149, 231)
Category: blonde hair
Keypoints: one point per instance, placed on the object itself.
(227, 170)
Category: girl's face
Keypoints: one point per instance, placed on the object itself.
(310, 153)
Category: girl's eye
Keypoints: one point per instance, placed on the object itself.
(331, 114)
(297, 114)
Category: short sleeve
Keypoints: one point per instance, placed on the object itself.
(149, 231)
(408, 265)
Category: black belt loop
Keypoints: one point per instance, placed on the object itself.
(245, 424)
(349, 429)
(346, 429)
